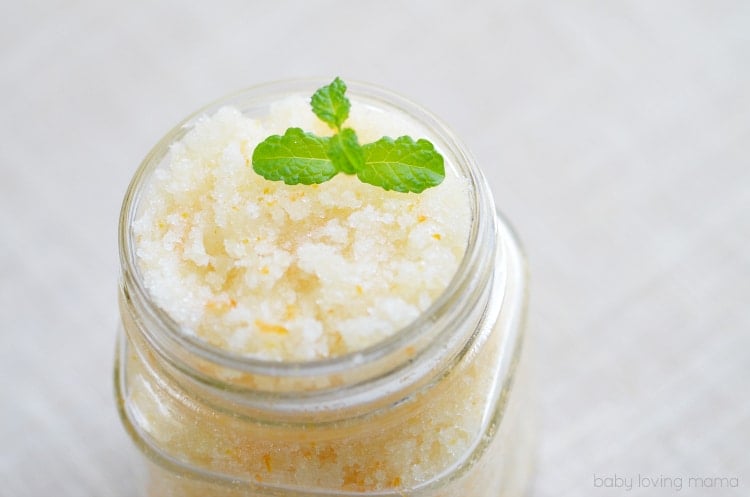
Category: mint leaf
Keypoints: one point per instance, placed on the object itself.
(345, 152)
(296, 157)
(330, 104)
(402, 165)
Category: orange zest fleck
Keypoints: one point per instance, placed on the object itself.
(270, 328)
(307, 453)
(436, 236)
(354, 478)
(359, 290)
(220, 305)
(327, 454)
(421, 218)
(336, 344)
(290, 312)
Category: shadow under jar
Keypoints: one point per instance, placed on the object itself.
(440, 408)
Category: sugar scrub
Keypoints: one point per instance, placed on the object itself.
(300, 272)
(318, 340)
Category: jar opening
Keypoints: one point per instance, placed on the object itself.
(437, 323)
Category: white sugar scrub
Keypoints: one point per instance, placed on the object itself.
(293, 272)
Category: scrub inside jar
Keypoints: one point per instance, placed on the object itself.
(293, 273)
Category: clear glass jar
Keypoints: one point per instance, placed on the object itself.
(438, 409)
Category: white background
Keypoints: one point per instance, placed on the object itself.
(615, 134)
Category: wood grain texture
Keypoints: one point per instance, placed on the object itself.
(616, 136)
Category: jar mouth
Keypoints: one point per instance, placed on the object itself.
(470, 278)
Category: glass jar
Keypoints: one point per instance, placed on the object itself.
(438, 409)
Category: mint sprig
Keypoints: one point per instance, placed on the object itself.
(402, 165)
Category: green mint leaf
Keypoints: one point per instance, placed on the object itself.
(296, 157)
(330, 104)
(345, 152)
(402, 165)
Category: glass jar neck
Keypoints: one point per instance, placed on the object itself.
(332, 389)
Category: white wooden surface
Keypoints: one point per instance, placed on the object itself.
(616, 135)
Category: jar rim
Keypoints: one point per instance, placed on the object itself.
(472, 272)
